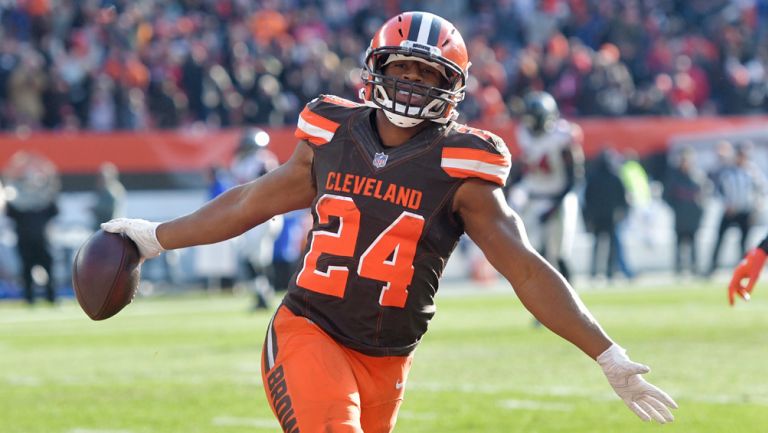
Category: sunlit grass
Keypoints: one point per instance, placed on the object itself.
(191, 364)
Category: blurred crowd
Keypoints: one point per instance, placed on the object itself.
(29, 207)
(116, 64)
(618, 188)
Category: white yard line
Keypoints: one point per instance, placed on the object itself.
(91, 430)
(535, 405)
(22, 380)
(758, 399)
(248, 367)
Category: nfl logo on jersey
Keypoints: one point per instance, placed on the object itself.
(380, 159)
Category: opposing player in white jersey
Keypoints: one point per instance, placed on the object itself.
(552, 162)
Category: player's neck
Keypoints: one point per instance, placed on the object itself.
(392, 135)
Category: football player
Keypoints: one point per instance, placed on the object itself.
(392, 184)
(552, 162)
(747, 272)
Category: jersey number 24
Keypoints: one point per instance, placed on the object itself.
(389, 258)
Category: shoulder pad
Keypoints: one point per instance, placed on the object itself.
(321, 118)
(475, 153)
(567, 134)
(570, 130)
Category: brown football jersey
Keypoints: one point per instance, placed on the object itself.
(383, 224)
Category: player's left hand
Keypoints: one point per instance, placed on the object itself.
(644, 399)
(748, 269)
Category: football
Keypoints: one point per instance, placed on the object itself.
(105, 274)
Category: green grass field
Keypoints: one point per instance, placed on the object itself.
(191, 364)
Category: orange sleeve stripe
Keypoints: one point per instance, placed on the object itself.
(317, 141)
(315, 128)
(335, 100)
(319, 121)
(464, 174)
(476, 155)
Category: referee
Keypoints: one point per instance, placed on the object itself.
(741, 186)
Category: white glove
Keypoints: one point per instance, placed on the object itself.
(645, 400)
(142, 232)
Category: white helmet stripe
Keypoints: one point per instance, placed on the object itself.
(426, 26)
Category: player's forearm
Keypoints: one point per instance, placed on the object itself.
(500, 234)
(554, 303)
(541, 288)
(287, 188)
(218, 220)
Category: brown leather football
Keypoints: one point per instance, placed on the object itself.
(105, 274)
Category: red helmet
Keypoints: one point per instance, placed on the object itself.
(423, 37)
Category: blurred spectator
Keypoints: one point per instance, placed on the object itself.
(605, 205)
(7, 255)
(217, 262)
(257, 252)
(33, 188)
(110, 195)
(641, 213)
(219, 181)
(608, 88)
(684, 188)
(252, 160)
(288, 247)
(25, 89)
(741, 186)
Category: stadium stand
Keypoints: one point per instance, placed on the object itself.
(135, 65)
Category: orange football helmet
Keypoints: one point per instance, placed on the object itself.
(423, 37)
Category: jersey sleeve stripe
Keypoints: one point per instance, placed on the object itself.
(315, 128)
(465, 168)
(335, 100)
(476, 155)
(465, 174)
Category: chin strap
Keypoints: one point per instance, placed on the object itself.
(402, 121)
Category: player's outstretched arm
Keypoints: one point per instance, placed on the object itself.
(287, 188)
(500, 234)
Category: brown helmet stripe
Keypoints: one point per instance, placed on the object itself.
(413, 30)
(424, 29)
(434, 32)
